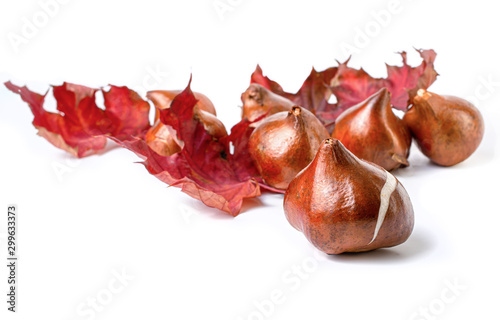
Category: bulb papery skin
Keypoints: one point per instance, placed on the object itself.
(344, 204)
(210, 122)
(374, 133)
(284, 143)
(163, 98)
(447, 129)
(259, 101)
(163, 138)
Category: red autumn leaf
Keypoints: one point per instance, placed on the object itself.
(399, 75)
(204, 169)
(76, 129)
(351, 86)
(242, 161)
(80, 127)
(313, 95)
(127, 111)
(258, 77)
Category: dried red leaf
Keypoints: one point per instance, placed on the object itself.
(258, 77)
(351, 86)
(127, 111)
(313, 95)
(427, 76)
(80, 127)
(76, 127)
(163, 138)
(242, 162)
(204, 169)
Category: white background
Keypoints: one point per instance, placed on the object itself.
(106, 214)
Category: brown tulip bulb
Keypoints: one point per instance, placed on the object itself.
(284, 143)
(210, 122)
(258, 101)
(163, 139)
(374, 133)
(344, 204)
(447, 129)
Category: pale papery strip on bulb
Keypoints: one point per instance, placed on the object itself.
(385, 196)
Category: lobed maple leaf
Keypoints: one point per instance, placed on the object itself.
(205, 168)
(243, 164)
(351, 86)
(127, 111)
(314, 93)
(81, 127)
